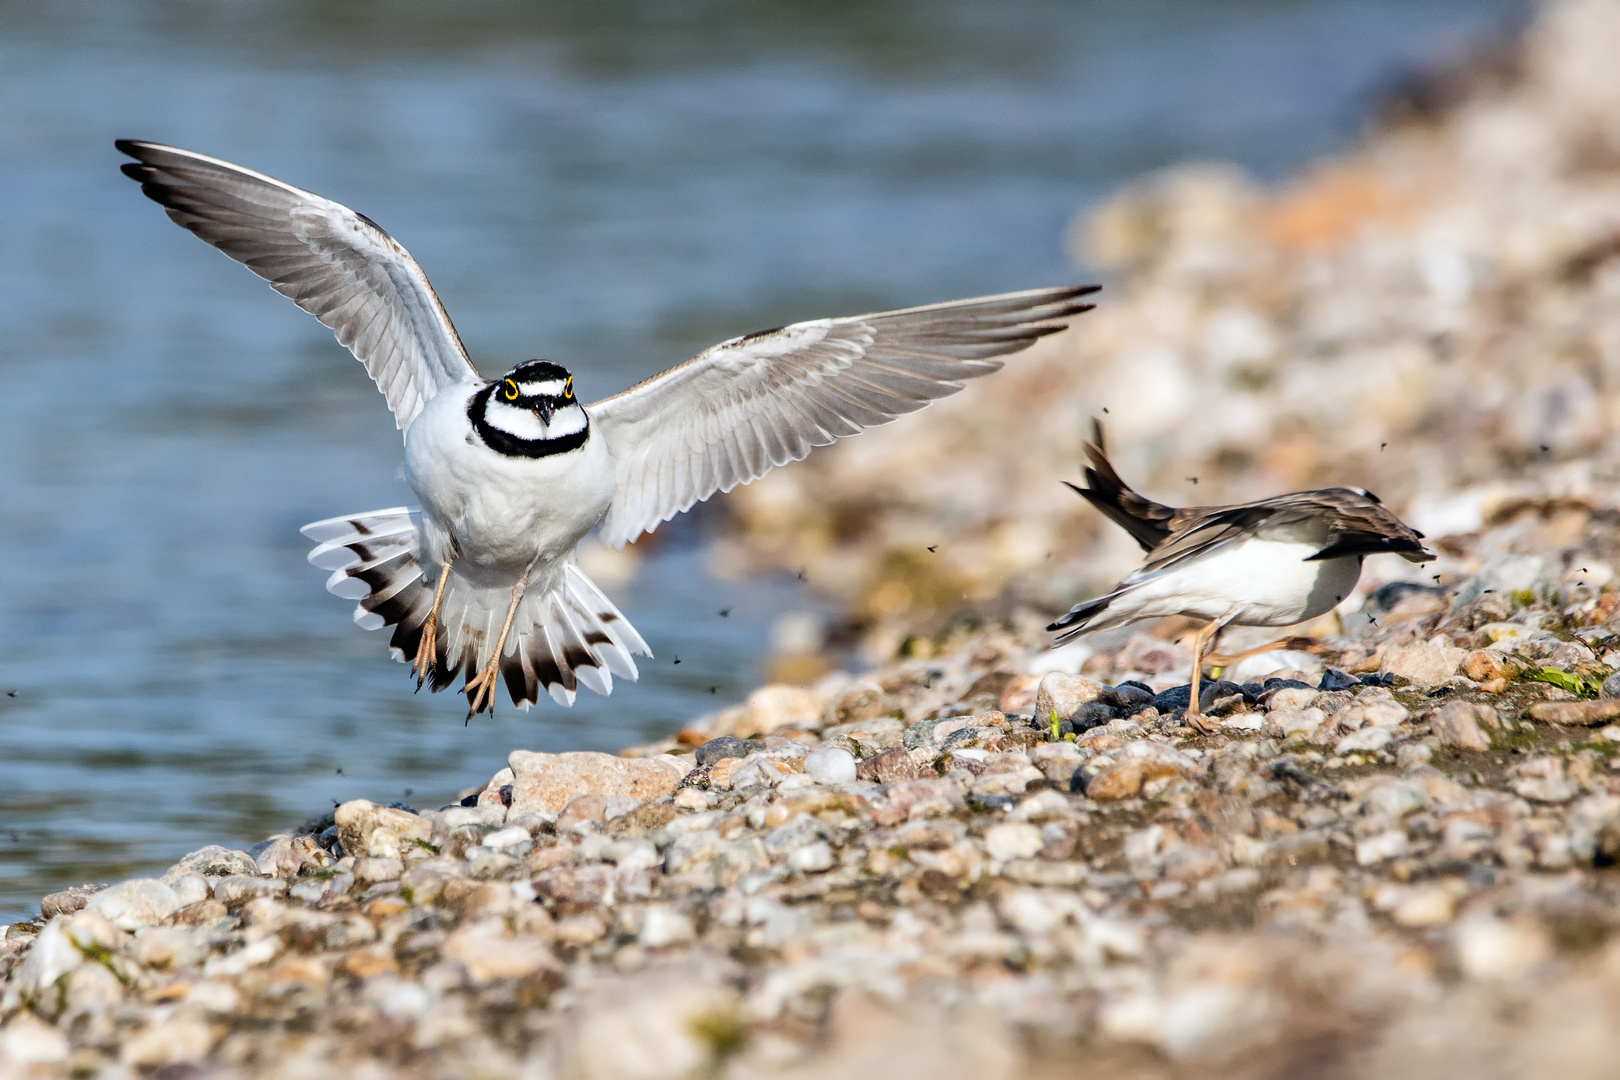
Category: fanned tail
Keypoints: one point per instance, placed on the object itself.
(565, 632)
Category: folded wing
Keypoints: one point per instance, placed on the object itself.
(334, 263)
(737, 410)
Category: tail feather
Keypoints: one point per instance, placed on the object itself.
(565, 632)
(1147, 521)
(1079, 618)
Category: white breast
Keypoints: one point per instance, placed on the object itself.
(499, 514)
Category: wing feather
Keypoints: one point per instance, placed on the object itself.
(735, 411)
(334, 263)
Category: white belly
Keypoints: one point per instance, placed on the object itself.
(1254, 583)
(498, 515)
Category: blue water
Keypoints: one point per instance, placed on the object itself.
(614, 186)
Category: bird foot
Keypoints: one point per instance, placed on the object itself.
(480, 690)
(1200, 723)
(422, 665)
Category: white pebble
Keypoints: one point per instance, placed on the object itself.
(831, 765)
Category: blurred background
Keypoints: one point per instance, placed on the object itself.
(611, 186)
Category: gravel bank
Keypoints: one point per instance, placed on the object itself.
(1394, 859)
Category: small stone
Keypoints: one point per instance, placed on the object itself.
(1413, 755)
(1542, 779)
(1576, 713)
(831, 765)
(546, 783)
(1063, 694)
(68, 900)
(213, 861)
(1611, 733)
(777, 707)
(587, 808)
(1334, 679)
(1290, 697)
(1611, 686)
(189, 888)
(1367, 739)
(285, 856)
(509, 837)
(888, 767)
(26, 1040)
(383, 832)
(723, 747)
(1287, 723)
(1428, 665)
(135, 903)
(318, 890)
(1482, 665)
(166, 948)
(812, 858)
(1430, 906)
(663, 926)
(180, 1039)
(1457, 724)
(691, 799)
(238, 889)
(1013, 840)
(803, 829)
(1382, 846)
(1488, 948)
(369, 871)
(488, 953)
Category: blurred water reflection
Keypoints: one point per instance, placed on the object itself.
(611, 185)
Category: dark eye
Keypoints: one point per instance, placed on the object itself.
(511, 390)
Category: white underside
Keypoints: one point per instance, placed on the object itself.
(494, 519)
(497, 516)
(1246, 583)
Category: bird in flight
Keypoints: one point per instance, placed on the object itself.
(482, 581)
(1275, 562)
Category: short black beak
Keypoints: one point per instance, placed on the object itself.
(544, 409)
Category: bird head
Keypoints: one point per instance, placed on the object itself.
(539, 386)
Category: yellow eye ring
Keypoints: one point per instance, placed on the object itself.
(511, 390)
(568, 387)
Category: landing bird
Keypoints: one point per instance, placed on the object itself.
(1275, 562)
(511, 474)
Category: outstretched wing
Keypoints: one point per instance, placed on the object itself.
(729, 415)
(334, 263)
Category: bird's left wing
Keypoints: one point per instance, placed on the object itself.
(735, 411)
(1358, 524)
(337, 265)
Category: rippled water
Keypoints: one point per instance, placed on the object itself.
(611, 185)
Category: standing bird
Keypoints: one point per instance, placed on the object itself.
(1275, 562)
(511, 474)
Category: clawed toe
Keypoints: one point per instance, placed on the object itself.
(1201, 723)
(480, 690)
(422, 665)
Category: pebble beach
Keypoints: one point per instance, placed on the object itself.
(956, 852)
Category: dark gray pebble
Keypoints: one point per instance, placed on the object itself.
(719, 749)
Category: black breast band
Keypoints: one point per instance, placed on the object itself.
(504, 442)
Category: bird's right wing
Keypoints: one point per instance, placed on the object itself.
(337, 265)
